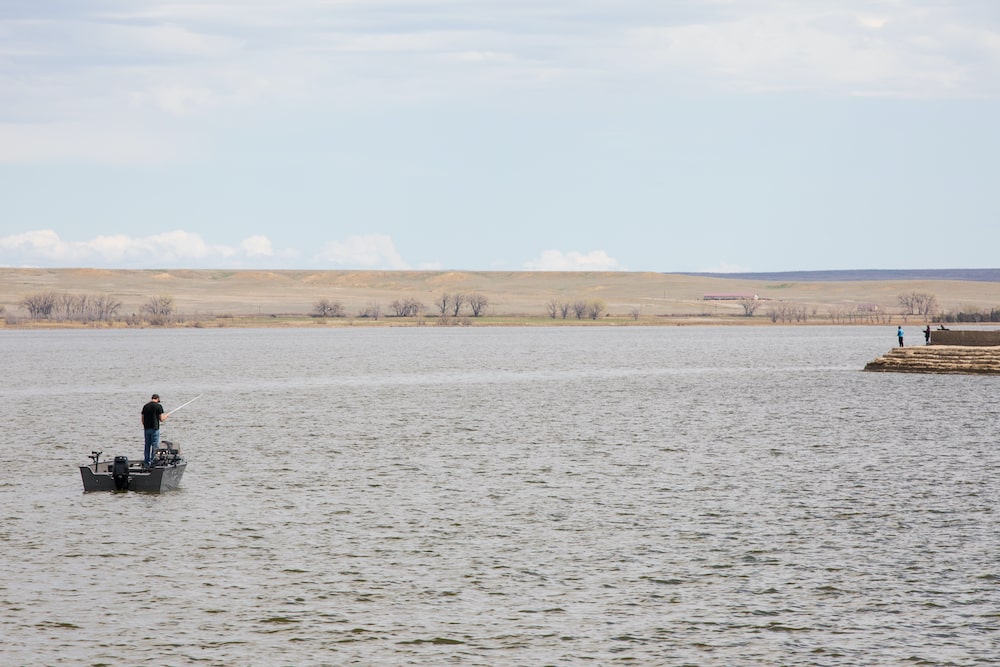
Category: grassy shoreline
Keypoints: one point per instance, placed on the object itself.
(307, 322)
(244, 299)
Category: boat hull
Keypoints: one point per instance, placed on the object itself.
(99, 477)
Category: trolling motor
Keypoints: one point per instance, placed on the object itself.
(95, 457)
(119, 473)
(167, 453)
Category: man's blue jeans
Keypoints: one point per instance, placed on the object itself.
(152, 444)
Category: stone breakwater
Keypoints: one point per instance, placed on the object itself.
(979, 360)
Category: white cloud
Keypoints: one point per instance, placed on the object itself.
(179, 100)
(556, 260)
(87, 142)
(375, 251)
(725, 267)
(257, 246)
(904, 51)
(176, 248)
(430, 266)
(121, 71)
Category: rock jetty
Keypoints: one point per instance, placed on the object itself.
(971, 359)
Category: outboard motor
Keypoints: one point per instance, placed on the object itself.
(119, 473)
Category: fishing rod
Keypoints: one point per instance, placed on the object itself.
(188, 403)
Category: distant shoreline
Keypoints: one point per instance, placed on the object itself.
(851, 275)
(306, 322)
(256, 298)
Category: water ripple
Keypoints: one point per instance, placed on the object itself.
(517, 497)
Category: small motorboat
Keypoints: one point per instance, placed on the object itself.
(120, 474)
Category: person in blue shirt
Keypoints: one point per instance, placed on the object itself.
(899, 334)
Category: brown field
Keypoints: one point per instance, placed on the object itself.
(268, 298)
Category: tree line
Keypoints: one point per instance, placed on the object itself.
(974, 315)
(580, 309)
(917, 303)
(447, 305)
(65, 307)
(914, 303)
(159, 310)
(71, 307)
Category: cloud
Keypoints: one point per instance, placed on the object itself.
(123, 74)
(724, 267)
(375, 251)
(902, 51)
(87, 142)
(173, 249)
(257, 246)
(183, 249)
(556, 260)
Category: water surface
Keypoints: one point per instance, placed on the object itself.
(478, 496)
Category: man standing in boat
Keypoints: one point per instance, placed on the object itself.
(152, 415)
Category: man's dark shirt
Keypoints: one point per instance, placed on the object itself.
(151, 415)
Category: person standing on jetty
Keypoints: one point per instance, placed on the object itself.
(899, 334)
(927, 335)
(152, 415)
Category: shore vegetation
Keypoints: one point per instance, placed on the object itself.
(41, 298)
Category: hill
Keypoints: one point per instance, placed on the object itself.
(975, 275)
(199, 294)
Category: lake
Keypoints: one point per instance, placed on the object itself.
(499, 496)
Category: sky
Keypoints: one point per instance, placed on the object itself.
(500, 135)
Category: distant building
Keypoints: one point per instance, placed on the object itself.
(729, 297)
(867, 307)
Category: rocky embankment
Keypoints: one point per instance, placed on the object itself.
(939, 359)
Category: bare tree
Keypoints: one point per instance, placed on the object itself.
(579, 309)
(750, 305)
(552, 308)
(477, 302)
(105, 307)
(69, 306)
(929, 306)
(327, 308)
(595, 309)
(39, 306)
(786, 312)
(407, 307)
(457, 301)
(556, 308)
(158, 309)
(917, 303)
(635, 312)
(443, 303)
(371, 311)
